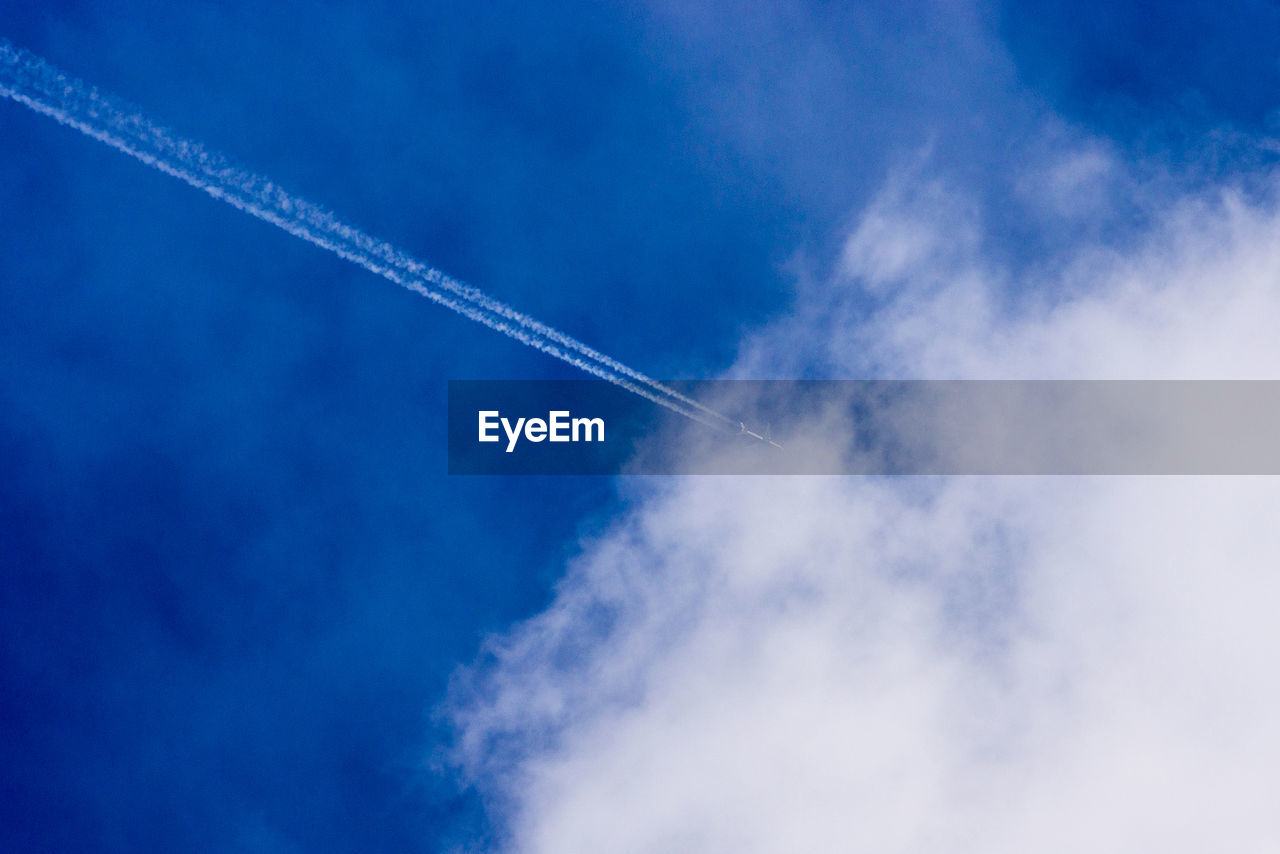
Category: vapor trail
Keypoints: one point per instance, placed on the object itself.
(31, 81)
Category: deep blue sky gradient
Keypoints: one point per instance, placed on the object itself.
(235, 576)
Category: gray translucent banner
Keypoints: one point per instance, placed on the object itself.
(871, 428)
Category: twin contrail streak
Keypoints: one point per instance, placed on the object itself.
(31, 81)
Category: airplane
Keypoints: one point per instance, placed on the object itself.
(767, 437)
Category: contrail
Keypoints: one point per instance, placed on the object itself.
(31, 81)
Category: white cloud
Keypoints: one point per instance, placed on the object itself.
(922, 665)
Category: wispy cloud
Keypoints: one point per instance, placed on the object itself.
(966, 665)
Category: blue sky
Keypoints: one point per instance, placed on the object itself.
(237, 578)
